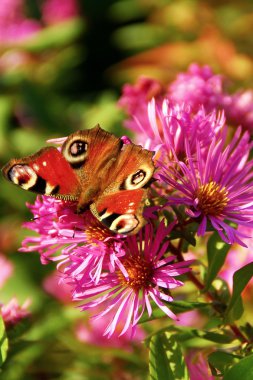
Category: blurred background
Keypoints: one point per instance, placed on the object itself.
(62, 66)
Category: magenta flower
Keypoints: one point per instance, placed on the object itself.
(170, 124)
(197, 366)
(92, 332)
(54, 286)
(14, 26)
(86, 246)
(54, 11)
(12, 312)
(239, 109)
(198, 86)
(141, 275)
(215, 185)
(6, 270)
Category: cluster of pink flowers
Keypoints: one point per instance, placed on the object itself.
(121, 277)
(16, 26)
(197, 87)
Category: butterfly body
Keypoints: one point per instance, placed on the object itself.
(95, 169)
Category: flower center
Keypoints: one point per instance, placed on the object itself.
(140, 273)
(94, 233)
(212, 198)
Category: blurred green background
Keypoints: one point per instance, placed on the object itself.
(67, 76)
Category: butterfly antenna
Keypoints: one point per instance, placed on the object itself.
(41, 216)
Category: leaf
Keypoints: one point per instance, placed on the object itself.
(216, 253)
(3, 342)
(55, 36)
(165, 358)
(221, 360)
(240, 279)
(242, 370)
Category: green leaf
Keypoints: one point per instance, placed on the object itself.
(3, 342)
(221, 361)
(216, 253)
(240, 279)
(55, 36)
(242, 370)
(165, 358)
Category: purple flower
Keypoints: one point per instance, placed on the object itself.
(54, 11)
(141, 275)
(79, 237)
(215, 185)
(170, 124)
(198, 86)
(14, 26)
(6, 270)
(12, 312)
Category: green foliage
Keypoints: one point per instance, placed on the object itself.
(240, 279)
(3, 343)
(166, 359)
(242, 370)
(217, 251)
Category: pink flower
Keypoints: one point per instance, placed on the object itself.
(54, 11)
(135, 98)
(141, 275)
(198, 86)
(14, 26)
(92, 332)
(215, 185)
(86, 246)
(239, 109)
(197, 366)
(6, 270)
(54, 286)
(170, 124)
(12, 312)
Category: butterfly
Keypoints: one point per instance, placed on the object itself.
(95, 169)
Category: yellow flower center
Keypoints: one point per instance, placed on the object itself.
(140, 273)
(212, 198)
(97, 233)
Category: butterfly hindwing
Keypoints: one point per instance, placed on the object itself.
(122, 211)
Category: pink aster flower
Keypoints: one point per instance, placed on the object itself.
(54, 11)
(14, 26)
(170, 124)
(6, 270)
(92, 332)
(135, 98)
(215, 185)
(141, 275)
(12, 312)
(197, 366)
(239, 109)
(198, 86)
(86, 246)
(54, 286)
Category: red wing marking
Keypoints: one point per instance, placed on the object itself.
(55, 170)
(122, 202)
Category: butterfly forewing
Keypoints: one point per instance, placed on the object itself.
(46, 172)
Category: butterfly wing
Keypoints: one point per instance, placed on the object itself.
(46, 172)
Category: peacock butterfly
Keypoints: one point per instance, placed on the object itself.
(95, 169)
